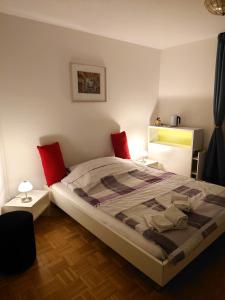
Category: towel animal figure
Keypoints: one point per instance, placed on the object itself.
(182, 202)
(172, 218)
(159, 222)
(177, 217)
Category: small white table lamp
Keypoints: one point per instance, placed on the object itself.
(144, 155)
(25, 187)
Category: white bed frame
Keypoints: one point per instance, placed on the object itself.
(160, 272)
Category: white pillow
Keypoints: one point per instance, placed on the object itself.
(90, 172)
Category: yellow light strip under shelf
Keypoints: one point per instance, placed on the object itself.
(171, 136)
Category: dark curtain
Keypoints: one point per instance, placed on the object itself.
(215, 159)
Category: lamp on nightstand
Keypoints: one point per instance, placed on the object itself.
(144, 155)
(25, 187)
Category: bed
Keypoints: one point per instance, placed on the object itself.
(108, 196)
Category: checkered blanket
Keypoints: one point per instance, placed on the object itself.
(128, 191)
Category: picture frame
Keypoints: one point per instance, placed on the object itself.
(88, 83)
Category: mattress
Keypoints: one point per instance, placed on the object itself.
(69, 198)
(120, 194)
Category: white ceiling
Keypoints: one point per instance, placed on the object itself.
(154, 23)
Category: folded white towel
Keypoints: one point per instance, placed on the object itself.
(148, 220)
(177, 217)
(159, 222)
(181, 201)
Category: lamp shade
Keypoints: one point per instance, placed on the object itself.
(143, 153)
(215, 7)
(25, 186)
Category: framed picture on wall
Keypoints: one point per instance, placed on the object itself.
(88, 83)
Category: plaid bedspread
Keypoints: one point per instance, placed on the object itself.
(127, 192)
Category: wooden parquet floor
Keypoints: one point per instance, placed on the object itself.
(73, 264)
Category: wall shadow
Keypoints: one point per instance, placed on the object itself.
(88, 142)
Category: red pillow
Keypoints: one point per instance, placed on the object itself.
(52, 162)
(120, 145)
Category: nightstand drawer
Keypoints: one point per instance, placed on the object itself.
(40, 201)
(40, 207)
(148, 163)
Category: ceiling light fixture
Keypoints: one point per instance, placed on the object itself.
(215, 7)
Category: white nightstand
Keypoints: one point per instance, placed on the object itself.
(40, 201)
(148, 163)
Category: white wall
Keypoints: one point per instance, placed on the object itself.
(187, 83)
(3, 175)
(36, 102)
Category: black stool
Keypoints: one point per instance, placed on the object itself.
(17, 242)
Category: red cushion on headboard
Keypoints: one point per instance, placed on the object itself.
(52, 162)
(120, 145)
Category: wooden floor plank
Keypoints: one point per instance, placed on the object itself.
(72, 264)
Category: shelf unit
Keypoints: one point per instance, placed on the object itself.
(177, 149)
(198, 160)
